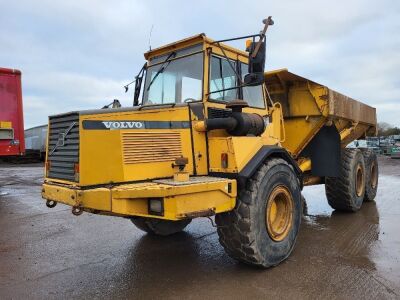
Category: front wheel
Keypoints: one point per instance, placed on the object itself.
(159, 226)
(263, 227)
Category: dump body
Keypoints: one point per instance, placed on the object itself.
(11, 113)
(309, 106)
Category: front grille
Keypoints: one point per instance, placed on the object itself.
(214, 113)
(63, 148)
(146, 147)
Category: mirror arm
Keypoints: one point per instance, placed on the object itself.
(267, 22)
(237, 38)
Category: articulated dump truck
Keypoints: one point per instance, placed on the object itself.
(211, 134)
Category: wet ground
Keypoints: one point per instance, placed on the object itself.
(49, 253)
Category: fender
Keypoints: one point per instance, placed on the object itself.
(261, 156)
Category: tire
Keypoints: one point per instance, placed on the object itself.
(245, 232)
(160, 227)
(372, 174)
(347, 191)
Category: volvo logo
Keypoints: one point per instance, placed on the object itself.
(123, 125)
(61, 138)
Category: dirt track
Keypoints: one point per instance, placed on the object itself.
(49, 253)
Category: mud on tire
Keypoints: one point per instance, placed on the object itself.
(347, 191)
(243, 231)
(160, 227)
(371, 174)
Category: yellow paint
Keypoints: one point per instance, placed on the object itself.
(305, 165)
(275, 131)
(239, 149)
(132, 199)
(107, 147)
(304, 105)
(181, 176)
(279, 213)
(96, 198)
(5, 124)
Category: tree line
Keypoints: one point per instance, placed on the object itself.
(386, 129)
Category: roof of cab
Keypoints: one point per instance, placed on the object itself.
(195, 39)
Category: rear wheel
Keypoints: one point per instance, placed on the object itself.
(263, 227)
(160, 227)
(372, 174)
(347, 191)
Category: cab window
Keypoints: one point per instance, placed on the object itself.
(253, 95)
(222, 77)
(174, 81)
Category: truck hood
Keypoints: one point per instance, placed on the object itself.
(118, 146)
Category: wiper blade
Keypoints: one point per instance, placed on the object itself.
(162, 69)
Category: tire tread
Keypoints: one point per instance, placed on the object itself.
(235, 227)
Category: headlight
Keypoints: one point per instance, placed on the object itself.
(156, 206)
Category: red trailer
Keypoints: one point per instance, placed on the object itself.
(11, 114)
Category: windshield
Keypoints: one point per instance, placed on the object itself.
(181, 80)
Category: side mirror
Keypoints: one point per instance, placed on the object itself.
(257, 57)
(253, 79)
(257, 62)
(256, 65)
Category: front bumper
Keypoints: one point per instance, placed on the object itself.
(200, 196)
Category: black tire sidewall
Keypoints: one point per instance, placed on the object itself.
(357, 200)
(276, 251)
(370, 192)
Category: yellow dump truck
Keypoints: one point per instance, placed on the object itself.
(211, 134)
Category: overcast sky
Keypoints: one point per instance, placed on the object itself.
(78, 54)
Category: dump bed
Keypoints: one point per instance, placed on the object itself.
(308, 106)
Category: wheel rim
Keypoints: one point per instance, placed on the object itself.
(359, 180)
(374, 175)
(279, 213)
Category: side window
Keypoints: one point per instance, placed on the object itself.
(253, 95)
(222, 77)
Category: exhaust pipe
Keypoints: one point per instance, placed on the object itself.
(238, 124)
